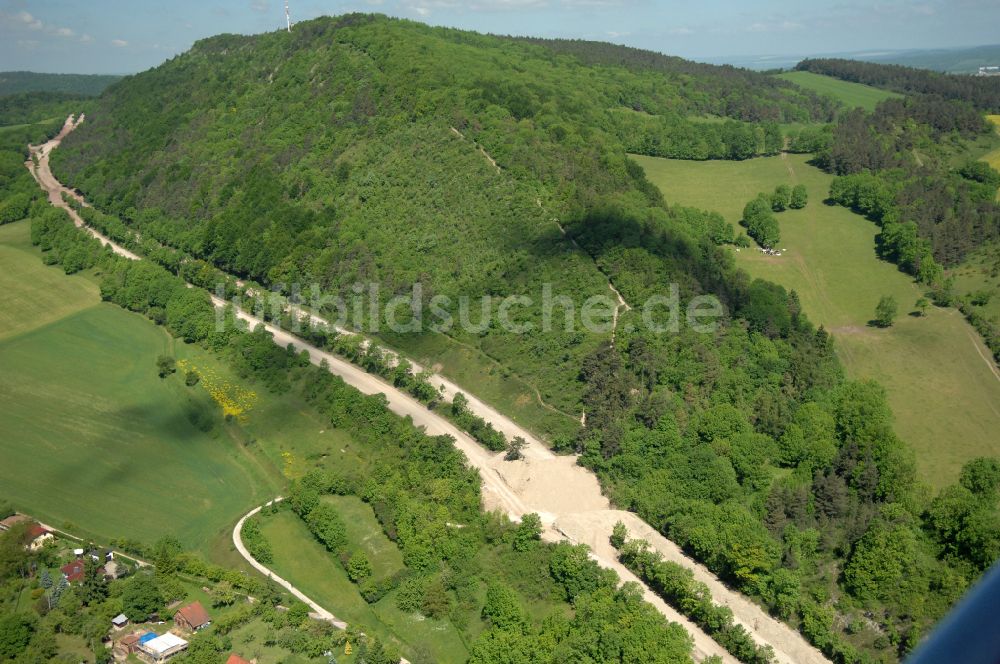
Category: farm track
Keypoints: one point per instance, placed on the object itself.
(318, 611)
(566, 496)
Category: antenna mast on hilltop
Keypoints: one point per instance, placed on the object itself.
(288, 18)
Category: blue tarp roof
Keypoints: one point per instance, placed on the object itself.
(148, 636)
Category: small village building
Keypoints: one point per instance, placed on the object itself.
(119, 621)
(101, 556)
(192, 617)
(161, 648)
(38, 536)
(73, 571)
(236, 659)
(127, 645)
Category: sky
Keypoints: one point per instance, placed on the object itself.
(126, 36)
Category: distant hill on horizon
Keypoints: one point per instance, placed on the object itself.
(91, 85)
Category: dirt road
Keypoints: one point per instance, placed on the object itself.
(566, 496)
(43, 175)
(318, 611)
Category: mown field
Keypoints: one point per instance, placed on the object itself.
(300, 559)
(849, 94)
(93, 440)
(940, 384)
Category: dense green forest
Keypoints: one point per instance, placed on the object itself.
(17, 187)
(346, 151)
(30, 107)
(88, 85)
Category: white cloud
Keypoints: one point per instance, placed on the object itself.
(777, 26)
(86, 39)
(119, 42)
(259, 5)
(64, 32)
(29, 20)
(680, 31)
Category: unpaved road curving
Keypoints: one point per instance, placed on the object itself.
(318, 611)
(566, 496)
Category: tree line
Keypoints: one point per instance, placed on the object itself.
(983, 92)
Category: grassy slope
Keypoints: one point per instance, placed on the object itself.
(365, 534)
(993, 157)
(91, 436)
(849, 94)
(946, 400)
(299, 558)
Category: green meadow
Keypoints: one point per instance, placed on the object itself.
(849, 94)
(93, 440)
(940, 381)
(303, 561)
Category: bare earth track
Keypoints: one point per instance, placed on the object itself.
(566, 496)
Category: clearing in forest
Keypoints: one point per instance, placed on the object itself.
(939, 379)
(849, 94)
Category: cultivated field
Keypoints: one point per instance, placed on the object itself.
(941, 386)
(92, 439)
(847, 93)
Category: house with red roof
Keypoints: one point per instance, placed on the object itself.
(236, 659)
(192, 617)
(73, 571)
(38, 536)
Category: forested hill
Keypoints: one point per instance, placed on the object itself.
(363, 148)
(15, 82)
(326, 155)
(725, 90)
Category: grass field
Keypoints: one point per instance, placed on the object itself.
(945, 397)
(300, 559)
(92, 439)
(365, 534)
(32, 294)
(847, 93)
